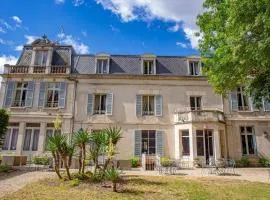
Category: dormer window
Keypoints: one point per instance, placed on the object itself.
(148, 67)
(102, 66)
(41, 58)
(194, 68)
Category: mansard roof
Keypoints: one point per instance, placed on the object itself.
(43, 41)
(132, 64)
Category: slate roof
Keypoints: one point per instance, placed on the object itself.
(131, 65)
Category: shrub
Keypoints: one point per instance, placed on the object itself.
(114, 176)
(41, 160)
(5, 168)
(244, 161)
(135, 162)
(75, 182)
(264, 162)
(166, 162)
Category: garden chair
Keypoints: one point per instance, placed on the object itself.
(230, 166)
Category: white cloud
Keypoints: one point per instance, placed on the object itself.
(190, 35)
(78, 2)
(181, 44)
(30, 38)
(6, 60)
(19, 48)
(17, 19)
(174, 28)
(59, 1)
(79, 47)
(114, 29)
(84, 33)
(6, 25)
(179, 11)
(2, 30)
(6, 42)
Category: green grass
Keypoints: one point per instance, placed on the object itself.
(140, 187)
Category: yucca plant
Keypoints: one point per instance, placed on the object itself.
(81, 139)
(113, 175)
(54, 144)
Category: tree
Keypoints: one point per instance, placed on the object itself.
(82, 138)
(235, 45)
(4, 118)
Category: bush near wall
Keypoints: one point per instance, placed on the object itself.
(41, 160)
(135, 162)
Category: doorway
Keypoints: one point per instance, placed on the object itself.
(209, 145)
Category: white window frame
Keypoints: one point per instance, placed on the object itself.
(195, 73)
(242, 95)
(24, 87)
(148, 139)
(10, 138)
(102, 60)
(43, 58)
(148, 112)
(148, 71)
(185, 136)
(54, 103)
(245, 133)
(99, 111)
(196, 103)
(32, 138)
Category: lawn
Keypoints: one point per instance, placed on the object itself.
(141, 187)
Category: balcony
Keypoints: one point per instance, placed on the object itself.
(203, 115)
(19, 69)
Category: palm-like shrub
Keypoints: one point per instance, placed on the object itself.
(81, 139)
(113, 175)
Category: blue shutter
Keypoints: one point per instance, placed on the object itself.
(158, 104)
(62, 95)
(266, 105)
(9, 93)
(139, 105)
(90, 104)
(159, 143)
(234, 102)
(138, 143)
(42, 94)
(30, 94)
(109, 104)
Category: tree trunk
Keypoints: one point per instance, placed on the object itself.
(114, 187)
(56, 166)
(83, 157)
(66, 166)
(80, 160)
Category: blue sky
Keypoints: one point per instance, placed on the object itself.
(163, 27)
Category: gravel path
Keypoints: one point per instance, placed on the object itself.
(14, 181)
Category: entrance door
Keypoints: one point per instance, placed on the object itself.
(209, 144)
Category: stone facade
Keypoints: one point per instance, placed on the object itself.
(162, 104)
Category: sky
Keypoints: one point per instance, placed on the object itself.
(161, 27)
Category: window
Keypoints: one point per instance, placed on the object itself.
(185, 143)
(248, 140)
(102, 66)
(200, 142)
(11, 138)
(242, 99)
(20, 94)
(194, 68)
(148, 67)
(100, 104)
(50, 131)
(148, 105)
(149, 141)
(41, 58)
(53, 95)
(31, 137)
(195, 103)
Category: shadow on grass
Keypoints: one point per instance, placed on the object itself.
(7, 175)
(143, 181)
(229, 174)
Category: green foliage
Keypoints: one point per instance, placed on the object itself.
(235, 45)
(244, 161)
(135, 161)
(166, 162)
(41, 160)
(264, 162)
(4, 119)
(82, 137)
(5, 168)
(75, 182)
(112, 175)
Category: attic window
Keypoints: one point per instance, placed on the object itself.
(102, 66)
(194, 68)
(41, 58)
(148, 67)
